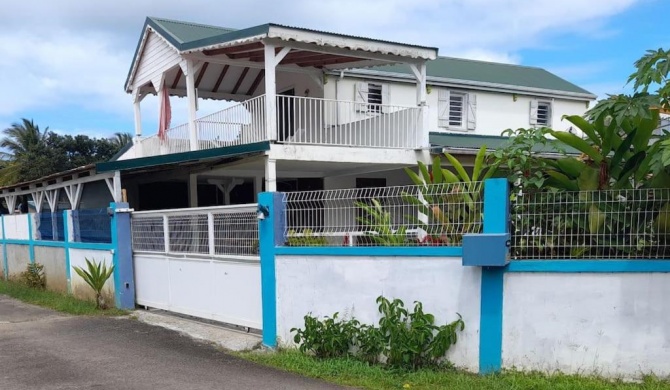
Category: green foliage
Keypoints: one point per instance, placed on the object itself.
(33, 153)
(652, 69)
(519, 157)
(95, 276)
(404, 339)
(306, 238)
(380, 226)
(441, 188)
(34, 276)
(327, 338)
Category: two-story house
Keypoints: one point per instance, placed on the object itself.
(306, 110)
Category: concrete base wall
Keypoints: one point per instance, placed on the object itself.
(611, 324)
(350, 286)
(18, 258)
(79, 287)
(53, 260)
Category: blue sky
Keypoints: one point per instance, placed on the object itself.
(64, 64)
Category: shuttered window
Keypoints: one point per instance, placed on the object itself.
(540, 113)
(457, 110)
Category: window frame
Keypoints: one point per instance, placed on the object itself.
(549, 113)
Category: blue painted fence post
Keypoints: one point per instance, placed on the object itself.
(66, 247)
(496, 220)
(271, 234)
(124, 278)
(4, 249)
(31, 238)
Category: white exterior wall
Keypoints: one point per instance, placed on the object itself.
(16, 227)
(496, 111)
(79, 287)
(610, 324)
(158, 56)
(350, 285)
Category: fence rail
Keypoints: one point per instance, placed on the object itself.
(435, 215)
(214, 231)
(612, 224)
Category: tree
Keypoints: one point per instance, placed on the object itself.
(121, 139)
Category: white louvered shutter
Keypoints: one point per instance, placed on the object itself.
(386, 98)
(361, 97)
(533, 112)
(443, 108)
(472, 111)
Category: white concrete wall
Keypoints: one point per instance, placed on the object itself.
(611, 324)
(16, 227)
(350, 285)
(495, 111)
(79, 288)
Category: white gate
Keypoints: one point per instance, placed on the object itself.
(201, 262)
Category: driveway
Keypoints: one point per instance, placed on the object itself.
(41, 349)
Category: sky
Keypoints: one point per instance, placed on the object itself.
(64, 63)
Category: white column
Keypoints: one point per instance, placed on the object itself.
(423, 127)
(270, 93)
(258, 187)
(192, 190)
(118, 197)
(192, 104)
(137, 98)
(270, 174)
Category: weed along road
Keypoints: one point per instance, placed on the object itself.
(42, 349)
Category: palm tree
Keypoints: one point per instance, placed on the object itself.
(121, 139)
(20, 138)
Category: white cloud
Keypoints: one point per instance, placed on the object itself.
(77, 52)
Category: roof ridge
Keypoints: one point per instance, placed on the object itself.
(193, 24)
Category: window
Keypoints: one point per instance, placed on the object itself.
(457, 110)
(371, 97)
(540, 113)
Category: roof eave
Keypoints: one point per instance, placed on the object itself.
(481, 85)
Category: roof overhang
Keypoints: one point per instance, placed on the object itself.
(342, 48)
(185, 157)
(459, 83)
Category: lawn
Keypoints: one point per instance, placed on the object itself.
(353, 373)
(54, 300)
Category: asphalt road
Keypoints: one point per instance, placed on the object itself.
(41, 349)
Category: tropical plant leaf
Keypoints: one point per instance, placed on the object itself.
(579, 144)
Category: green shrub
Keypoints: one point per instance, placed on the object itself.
(404, 339)
(34, 276)
(328, 338)
(307, 238)
(95, 276)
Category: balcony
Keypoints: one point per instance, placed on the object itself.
(299, 121)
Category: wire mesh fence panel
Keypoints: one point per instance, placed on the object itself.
(236, 233)
(611, 224)
(436, 215)
(188, 233)
(148, 234)
(92, 225)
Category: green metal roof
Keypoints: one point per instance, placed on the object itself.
(489, 72)
(474, 142)
(176, 158)
(185, 32)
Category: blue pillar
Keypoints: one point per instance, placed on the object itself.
(496, 220)
(66, 247)
(271, 234)
(31, 239)
(4, 248)
(124, 278)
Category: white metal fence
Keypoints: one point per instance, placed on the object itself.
(613, 224)
(437, 214)
(303, 120)
(223, 230)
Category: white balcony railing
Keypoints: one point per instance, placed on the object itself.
(300, 120)
(313, 121)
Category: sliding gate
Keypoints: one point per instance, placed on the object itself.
(201, 262)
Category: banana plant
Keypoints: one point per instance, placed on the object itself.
(450, 202)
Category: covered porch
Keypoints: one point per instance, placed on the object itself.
(272, 79)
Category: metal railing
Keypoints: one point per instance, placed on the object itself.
(314, 121)
(214, 231)
(611, 224)
(176, 140)
(432, 215)
(240, 124)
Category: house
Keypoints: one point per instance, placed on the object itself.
(310, 110)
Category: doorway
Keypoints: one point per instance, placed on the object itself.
(285, 115)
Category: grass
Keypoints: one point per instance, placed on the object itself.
(357, 374)
(53, 300)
